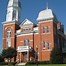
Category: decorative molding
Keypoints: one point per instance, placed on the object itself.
(23, 41)
(10, 22)
(11, 37)
(46, 50)
(42, 21)
(26, 34)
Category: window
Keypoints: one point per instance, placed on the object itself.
(48, 29)
(24, 42)
(48, 45)
(45, 29)
(8, 42)
(8, 33)
(28, 42)
(26, 29)
(14, 15)
(44, 44)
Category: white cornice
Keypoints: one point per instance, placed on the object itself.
(27, 34)
(10, 22)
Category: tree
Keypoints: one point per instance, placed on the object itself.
(56, 56)
(9, 53)
(1, 59)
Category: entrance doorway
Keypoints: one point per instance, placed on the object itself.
(25, 57)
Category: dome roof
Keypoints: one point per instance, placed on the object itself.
(45, 14)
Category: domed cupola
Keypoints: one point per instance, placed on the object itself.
(46, 14)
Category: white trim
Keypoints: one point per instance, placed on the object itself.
(45, 21)
(44, 43)
(36, 33)
(7, 27)
(26, 22)
(31, 40)
(46, 49)
(11, 37)
(10, 22)
(42, 21)
(26, 34)
(46, 33)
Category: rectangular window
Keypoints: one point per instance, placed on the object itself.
(43, 29)
(46, 29)
(24, 42)
(8, 33)
(14, 15)
(48, 45)
(28, 42)
(44, 45)
(6, 45)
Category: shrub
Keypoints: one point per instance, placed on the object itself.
(1, 59)
(3, 63)
(64, 60)
(56, 56)
(39, 62)
(6, 63)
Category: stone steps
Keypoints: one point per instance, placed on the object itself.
(22, 64)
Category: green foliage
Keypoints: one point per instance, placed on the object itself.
(7, 63)
(56, 56)
(9, 53)
(1, 59)
(64, 60)
(39, 62)
(4, 53)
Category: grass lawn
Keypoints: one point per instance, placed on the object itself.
(49, 65)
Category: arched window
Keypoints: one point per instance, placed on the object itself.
(14, 15)
(8, 33)
(44, 44)
(48, 45)
(8, 41)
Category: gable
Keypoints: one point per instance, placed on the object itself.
(26, 22)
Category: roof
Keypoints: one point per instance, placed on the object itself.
(26, 22)
(45, 14)
(13, 3)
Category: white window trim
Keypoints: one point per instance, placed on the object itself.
(43, 45)
(49, 46)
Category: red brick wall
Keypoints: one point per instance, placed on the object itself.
(5, 27)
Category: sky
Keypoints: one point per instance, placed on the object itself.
(30, 10)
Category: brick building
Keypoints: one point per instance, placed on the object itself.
(28, 37)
